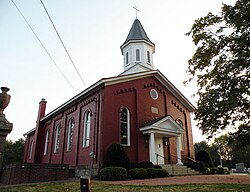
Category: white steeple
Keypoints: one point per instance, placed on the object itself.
(137, 50)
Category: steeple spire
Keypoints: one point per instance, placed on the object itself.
(136, 10)
(138, 50)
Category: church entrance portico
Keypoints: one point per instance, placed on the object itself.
(159, 132)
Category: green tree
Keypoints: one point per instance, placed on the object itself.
(221, 67)
(204, 157)
(13, 152)
(116, 156)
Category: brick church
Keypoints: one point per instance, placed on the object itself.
(140, 109)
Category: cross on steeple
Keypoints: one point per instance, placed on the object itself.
(136, 10)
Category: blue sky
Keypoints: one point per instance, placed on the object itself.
(93, 32)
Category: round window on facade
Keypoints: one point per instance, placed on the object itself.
(153, 94)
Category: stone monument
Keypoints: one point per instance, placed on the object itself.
(5, 125)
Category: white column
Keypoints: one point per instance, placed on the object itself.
(152, 147)
(178, 151)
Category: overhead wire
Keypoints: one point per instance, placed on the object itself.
(43, 45)
(58, 35)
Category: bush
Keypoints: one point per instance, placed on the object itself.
(116, 156)
(157, 167)
(206, 171)
(146, 164)
(113, 173)
(133, 165)
(220, 170)
(162, 173)
(138, 173)
(205, 157)
(152, 172)
(214, 170)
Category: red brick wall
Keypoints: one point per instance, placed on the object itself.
(30, 173)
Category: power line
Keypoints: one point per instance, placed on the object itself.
(43, 45)
(70, 58)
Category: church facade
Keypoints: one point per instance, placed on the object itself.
(140, 109)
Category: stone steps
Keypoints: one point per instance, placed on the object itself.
(179, 170)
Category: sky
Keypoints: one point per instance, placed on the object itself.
(92, 31)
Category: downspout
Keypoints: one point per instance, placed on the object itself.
(78, 137)
(64, 136)
(51, 147)
(188, 145)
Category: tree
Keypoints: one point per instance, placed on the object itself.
(221, 67)
(204, 157)
(116, 156)
(13, 152)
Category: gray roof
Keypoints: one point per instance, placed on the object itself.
(137, 33)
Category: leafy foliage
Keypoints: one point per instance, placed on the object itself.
(146, 164)
(113, 173)
(116, 156)
(13, 152)
(204, 157)
(221, 67)
(138, 173)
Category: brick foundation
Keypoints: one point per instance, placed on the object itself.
(29, 173)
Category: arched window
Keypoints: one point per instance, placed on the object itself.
(46, 143)
(124, 126)
(126, 57)
(31, 149)
(57, 139)
(181, 136)
(138, 55)
(70, 134)
(86, 129)
(148, 56)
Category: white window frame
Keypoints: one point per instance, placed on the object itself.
(86, 129)
(31, 149)
(71, 125)
(137, 55)
(127, 122)
(148, 57)
(182, 143)
(46, 143)
(57, 139)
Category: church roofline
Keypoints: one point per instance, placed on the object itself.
(120, 79)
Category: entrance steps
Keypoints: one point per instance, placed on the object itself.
(174, 169)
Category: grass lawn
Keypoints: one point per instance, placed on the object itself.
(96, 186)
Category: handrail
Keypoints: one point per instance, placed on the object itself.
(192, 160)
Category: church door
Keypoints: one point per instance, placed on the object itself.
(159, 150)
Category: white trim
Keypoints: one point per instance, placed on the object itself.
(46, 143)
(86, 129)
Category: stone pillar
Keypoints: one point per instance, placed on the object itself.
(152, 147)
(5, 125)
(178, 150)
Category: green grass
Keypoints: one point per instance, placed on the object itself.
(103, 187)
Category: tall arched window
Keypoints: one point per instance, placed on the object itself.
(124, 126)
(46, 143)
(148, 56)
(138, 55)
(57, 139)
(181, 136)
(86, 129)
(70, 134)
(31, 149)
(126, 57)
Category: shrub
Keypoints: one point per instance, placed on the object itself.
(146, 164)
(116, 156)
(206, 171)
(157, 167)
(220, 170)
(214, 170)
(205, 157)
(138, 173)
(162, 173)
(133, 165)
(152, 172)
(113, 173)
